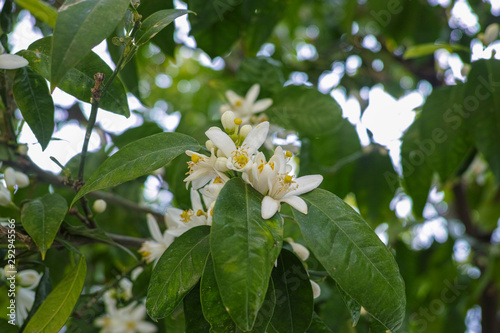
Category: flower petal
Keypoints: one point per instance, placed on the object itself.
(221, 140)
(154, 229)
(262, 105)
(145, 327)
(233, 97)
(296, 202)
(316, 289)
(305, 184)
(252, 94)
(256, 137)
(12, 61)
(269, 207)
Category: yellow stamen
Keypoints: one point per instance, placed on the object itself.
(261, 167)
(288, 154)
(288, 179)
(200, 213)
(130, 325)
(218, 180)
(186, 215)
(238, 121)
(238, 103)
(242, 160)
(271, 165)
(211, 212)
(145, 254)
(195, 158)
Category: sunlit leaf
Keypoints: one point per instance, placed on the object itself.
(156, 22)
(58, 306)
(244, 249)
(354, 256)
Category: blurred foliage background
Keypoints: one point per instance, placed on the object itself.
(439, 217)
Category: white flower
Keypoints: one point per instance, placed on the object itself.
(5, 196)
(244, 108)
(239, 158)
(203, 169)
(12, 61)
(299, 249)
(99, 206)
(13, 178)
(179, 221)
(153, 249)
(129, 319)
(316, 289)
(287, 188)
(27, 280)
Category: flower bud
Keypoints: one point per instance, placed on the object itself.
(99, 206)
(491, 34)
(316, 289)
(465, 70)
(210, 145)
(299, 249)
(22, 180)
(159, 172)
(244, 130)
(12, 61)
(10, 177)
(221, 164)
(23, 149)
(5, 196)
(8, 271)
(227, 120)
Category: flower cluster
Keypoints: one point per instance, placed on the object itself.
(246, 108)
(233, 151)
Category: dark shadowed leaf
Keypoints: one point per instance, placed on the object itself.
(42, 217)
(294, 295)
(195, 322)
(35, 103)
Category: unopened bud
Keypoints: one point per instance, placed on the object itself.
(491, 34)
(5, 196)
(99, 206)
(227, 120)
(221, 164)
(23, 149)
(22, 180)
(316, 289)
(210, 145)
(10, 177)
(299, 249)
(465, 70)
(244, 130)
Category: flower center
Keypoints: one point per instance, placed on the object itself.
(130, 325)
(218, 180)
(238, 103)
(186, 215)
(241, 158)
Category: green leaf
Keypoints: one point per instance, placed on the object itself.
(79, 80)
(195, 322)
(138, 158)
(41, 10)
(318, 326)
(80, 26)
(417, 173)
(266, 310)
(426, 49)
(35, 103)
(353, 306)
(265, 71)
(444, 136)
(306, 111)
(133, 134)
(482, 105)
(211, 302)
(244, 249)
(371, 182)
(42, 217)
(165, 38)
(294, 295)
(156, 22)
(6, 17)
(178, 270)
(354, 256)
(58, 306)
